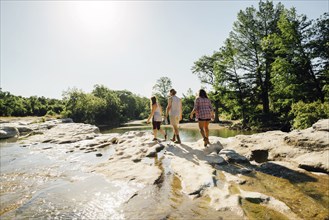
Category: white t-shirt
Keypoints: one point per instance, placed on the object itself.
(175, 106)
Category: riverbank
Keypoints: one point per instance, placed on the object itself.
(266, 175)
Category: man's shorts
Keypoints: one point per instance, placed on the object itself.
(174, 120)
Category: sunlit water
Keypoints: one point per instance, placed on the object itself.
(39, 181)
(44, 181)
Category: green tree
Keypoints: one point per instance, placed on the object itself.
(204, 68)
(306, 114)
(161, 90)
(319, 45)
(231, 82)
(249, 30)
(188, 104)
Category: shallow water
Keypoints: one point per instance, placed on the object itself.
(43, 181)
(187, 135)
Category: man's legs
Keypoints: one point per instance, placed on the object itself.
(174, 122)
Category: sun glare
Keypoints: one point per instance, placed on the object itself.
(97, 16)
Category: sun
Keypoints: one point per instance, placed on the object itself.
(97, 16)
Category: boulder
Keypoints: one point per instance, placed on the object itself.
(321, 125)
(8, 132)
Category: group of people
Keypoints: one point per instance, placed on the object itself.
(203, 111)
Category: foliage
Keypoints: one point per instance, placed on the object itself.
(187, 104)
(101, 107)
(104, 106)
(11, 105)
(306, 114)
(272, 58)
(161, 90)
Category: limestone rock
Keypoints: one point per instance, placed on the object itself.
(8, 132)
(321, 125)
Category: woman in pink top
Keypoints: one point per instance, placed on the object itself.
(204, 113)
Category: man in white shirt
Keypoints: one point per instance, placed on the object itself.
(174, 110)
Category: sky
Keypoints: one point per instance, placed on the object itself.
(48, 47)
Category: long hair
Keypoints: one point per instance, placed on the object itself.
(153, 101)
(202, 93)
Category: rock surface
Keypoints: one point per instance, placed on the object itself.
(219, 172)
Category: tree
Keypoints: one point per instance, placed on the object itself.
(204, 68)
(161, 89)
(230, 81)
(248, 33)
(188, 104)
(319, 45)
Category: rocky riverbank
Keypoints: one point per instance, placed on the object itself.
(265, 175)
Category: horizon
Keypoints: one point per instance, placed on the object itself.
(127, 45)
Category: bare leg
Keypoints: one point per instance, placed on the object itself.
(206, 129)
(155, 131)
(163, 133)
(201, 127)
(176, 132)
(202, 131)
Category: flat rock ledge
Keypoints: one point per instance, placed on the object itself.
(209, 172)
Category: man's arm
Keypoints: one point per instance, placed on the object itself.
(168, 107)
(181, 111)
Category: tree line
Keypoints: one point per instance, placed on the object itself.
(273, 66)
(102, 106)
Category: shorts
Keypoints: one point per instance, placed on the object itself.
(202, 119)
(174, 120)
(156, 125)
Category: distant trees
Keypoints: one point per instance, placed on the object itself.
(101, 107)
(188, 104)
(11, 105)
(104, 106)
(272, 59)
(161, 90)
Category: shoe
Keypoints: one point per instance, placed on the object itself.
(173, 138)
(165, 136)
(178, 140)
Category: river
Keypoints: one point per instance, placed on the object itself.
(43, 181)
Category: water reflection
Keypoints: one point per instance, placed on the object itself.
(43, 184)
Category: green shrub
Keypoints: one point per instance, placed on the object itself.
(306, 114)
